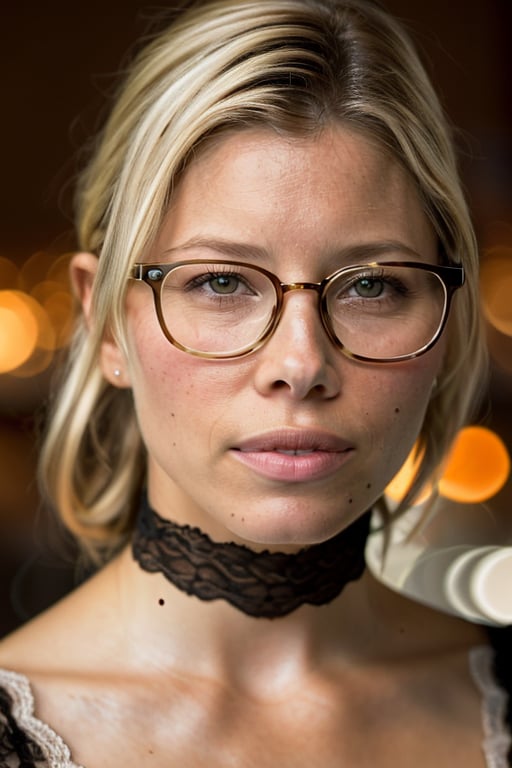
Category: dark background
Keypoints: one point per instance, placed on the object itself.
(58, 62)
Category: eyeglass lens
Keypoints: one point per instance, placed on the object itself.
(378, 312)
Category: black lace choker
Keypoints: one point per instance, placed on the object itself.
(262, 584)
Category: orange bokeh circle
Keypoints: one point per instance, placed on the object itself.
(496, 289)
(43, 353)
(477, 467)
(18, 330)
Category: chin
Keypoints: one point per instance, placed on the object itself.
(291, 528)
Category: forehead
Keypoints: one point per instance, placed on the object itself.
(283, 190)
(336, 154)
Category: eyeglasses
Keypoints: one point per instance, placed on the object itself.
(377, 312)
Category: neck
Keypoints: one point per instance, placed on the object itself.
(169, 630)
(266, 585)
(214, 640)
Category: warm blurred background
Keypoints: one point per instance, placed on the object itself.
(58, 61)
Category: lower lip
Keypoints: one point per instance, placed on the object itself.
(299, 468)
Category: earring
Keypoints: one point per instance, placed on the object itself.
(117, 373)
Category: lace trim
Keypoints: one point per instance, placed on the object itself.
(56, 753)
(496, 742)
(261, 584)
(497, 739)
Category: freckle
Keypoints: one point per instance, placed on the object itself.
(172, 414)
(161, 601)
(232, 514)
(397, 410)
(174, 445)
(350, 501)
(243, 519)
(368, 485)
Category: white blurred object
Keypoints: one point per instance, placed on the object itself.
(470, 581)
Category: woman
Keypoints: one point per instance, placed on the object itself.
(272, 233)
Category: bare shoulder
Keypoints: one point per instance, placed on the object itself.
(57, 639)
(75, 658)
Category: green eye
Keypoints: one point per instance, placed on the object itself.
(224, 284)
(368, 288)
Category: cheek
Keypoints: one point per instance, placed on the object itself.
(395, 412)
(174, 392)
(158, 377)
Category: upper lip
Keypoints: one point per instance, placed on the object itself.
(294, 440)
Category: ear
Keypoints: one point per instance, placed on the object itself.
(83, 269)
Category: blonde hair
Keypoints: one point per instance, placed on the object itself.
(292, 66)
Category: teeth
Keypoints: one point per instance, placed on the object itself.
(294, 453)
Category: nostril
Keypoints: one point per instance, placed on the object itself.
(298, 361)
(280, 384)
(302, 388)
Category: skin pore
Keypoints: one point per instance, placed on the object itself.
(154, 677)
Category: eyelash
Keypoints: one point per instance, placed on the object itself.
(206, 278)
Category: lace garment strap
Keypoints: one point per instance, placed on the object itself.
(497, 739)
(25, 741)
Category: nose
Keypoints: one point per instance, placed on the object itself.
(299, 359)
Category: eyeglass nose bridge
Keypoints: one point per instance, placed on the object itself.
(287, 287)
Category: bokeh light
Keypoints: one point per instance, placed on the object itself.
(43, 352)
(9, 274)
(500, 349)
(35, 269)
(18, 330)
(496, 288)
(58, 270)
(400, 484)
(477, 468)
(38, 320)
(59, 306)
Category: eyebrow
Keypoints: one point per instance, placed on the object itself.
(350, 254)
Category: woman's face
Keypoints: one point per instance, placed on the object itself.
(221, 434)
